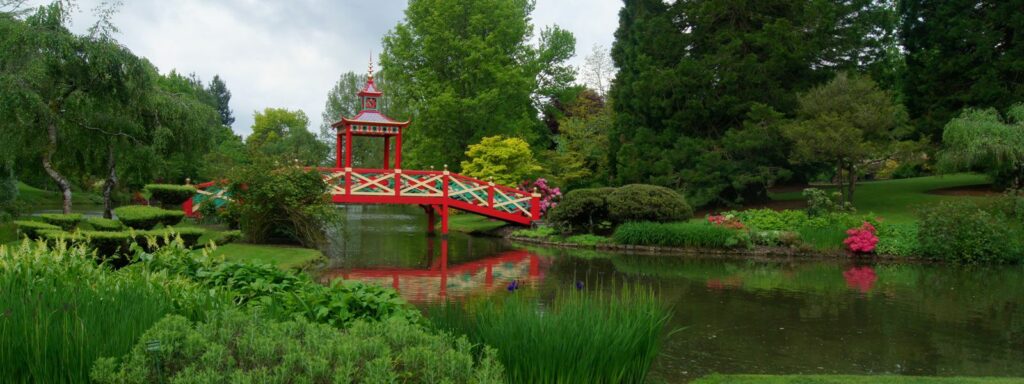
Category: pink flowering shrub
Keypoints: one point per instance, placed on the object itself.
(548, 196)
(860, 278)
(862, 239)
(728, 221)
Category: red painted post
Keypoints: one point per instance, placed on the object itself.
(444, 182)
(387, 147)
(431, 220)
(535, 205)
(394, 281)
(489, 276)
(490, 194)
(337, 160)
(348, 146)
(398, 149)
(398, 182)
(444, 220)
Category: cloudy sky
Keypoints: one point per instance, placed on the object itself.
(289, 54)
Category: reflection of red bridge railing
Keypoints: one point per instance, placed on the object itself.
(440, 281)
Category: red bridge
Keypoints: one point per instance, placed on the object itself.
(435, 191)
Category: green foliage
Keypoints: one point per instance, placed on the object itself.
(284, 135)
(586, 239)
(897, 240)
(640, 202)
(769, 219)
(582, 337)
(170, 195)
(842, 123)
(66, 222)
(820, 202)
(539, 233)
(146, 217)
(8, 189)
(979, 140)
(959, 54)
(825, 236)
(32, 228)
(964, 232)
(248, 348)
(101, 224)
(227, 237)
(280, 203)
(221, 96)
(189, 236)
(580, 157)
(697, 235)
(108, 244)
(62, 311)
(284, 294)
(501, 82)
(506, 161)
(851, 379)
(698, 101)
(343, 101)
(584, 209)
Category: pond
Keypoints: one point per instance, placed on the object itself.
(738, 316)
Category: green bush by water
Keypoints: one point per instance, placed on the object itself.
(146, 217)
(66, 222)
(249, 348)
(898, 239)
(965, 232)
(60, 311)
(170, 194)
(583, 337)
(582, 210)
(643, 202)
(683, 234)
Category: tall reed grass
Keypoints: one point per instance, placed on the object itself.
(582, 337)
(60, 311)
(824, 238)
(681, 234)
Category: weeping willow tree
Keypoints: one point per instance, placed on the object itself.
(982, 140)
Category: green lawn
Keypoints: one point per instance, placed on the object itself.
(284, 256)
(36, 198)
(897, 200)
(470, 223)
(843, 379)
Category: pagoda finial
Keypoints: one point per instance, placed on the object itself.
(369, 73)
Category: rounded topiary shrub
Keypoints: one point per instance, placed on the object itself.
(964, 232)
(643, 202)
(170, 194)
(32, 229)
(67, 222)
(580, 210)
(101, 224)
(146, 217)
(161, 237)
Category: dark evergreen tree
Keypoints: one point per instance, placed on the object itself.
(221, 96)
(691, 72)
(960, 53)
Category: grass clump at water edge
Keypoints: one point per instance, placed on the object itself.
(582, 337)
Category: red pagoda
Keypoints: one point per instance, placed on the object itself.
(369, 122)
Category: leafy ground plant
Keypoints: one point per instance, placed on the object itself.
(582, 337)
(241, 347)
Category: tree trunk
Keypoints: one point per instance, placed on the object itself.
(852, 182)
(108, 186)
(62, 182)
(839, 183)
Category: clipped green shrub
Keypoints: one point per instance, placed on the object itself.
(101, 224)
(582, 337)
(582, 210)
(699, 235)
(105, 243)
(170, 195)
(963, 232)
(66, 222)
(146, 217)
(247, 348)
(31, 228)
(642, 202)
(227, 237)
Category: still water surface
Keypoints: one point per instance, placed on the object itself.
(739, 316)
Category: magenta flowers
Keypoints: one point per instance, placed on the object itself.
(862, 239)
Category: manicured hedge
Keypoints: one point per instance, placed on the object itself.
(698, 235)
(67, 222)
(642, 202)
(170, 194)
(101, 224)
(582, 210)
(32, 228)
(146, 217)
(189, 236)
(111, 243)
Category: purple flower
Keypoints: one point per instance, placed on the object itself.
(514, 285)
(579, 285)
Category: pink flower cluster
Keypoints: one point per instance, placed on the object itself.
(862, 239)
(726, 221)
(548, 196)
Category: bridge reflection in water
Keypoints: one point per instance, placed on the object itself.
(441, 281)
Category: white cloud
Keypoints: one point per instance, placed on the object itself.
(289, 54)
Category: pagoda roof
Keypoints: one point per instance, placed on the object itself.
(370, 117)
(370, 89)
